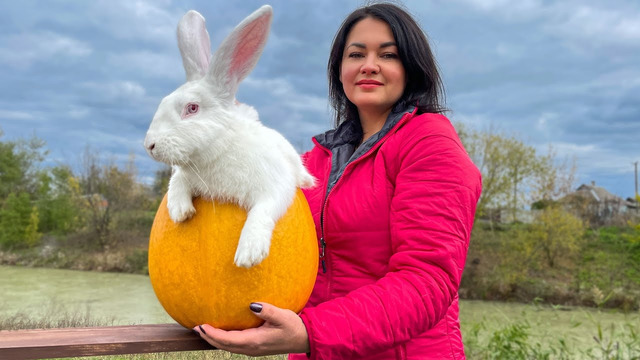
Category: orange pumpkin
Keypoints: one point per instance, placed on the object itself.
(193, 275)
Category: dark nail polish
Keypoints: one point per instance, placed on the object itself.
(255, 307)
(201, 329)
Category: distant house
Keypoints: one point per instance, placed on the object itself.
(598, 206)
(592, 203)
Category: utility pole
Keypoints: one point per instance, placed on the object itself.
(635, 165)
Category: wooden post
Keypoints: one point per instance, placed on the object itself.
(635, 195)
(635, 165)
(112, 340)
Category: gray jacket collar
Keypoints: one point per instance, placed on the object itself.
(343, 140)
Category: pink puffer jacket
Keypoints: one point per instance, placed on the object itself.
(394, 229)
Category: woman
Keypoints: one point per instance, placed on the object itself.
(394, 207)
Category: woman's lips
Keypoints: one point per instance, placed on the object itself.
(368, 84)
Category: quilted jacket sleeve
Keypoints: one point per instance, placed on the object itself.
(432, 210)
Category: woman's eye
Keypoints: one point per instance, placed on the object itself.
(390, 56)
(355, 55)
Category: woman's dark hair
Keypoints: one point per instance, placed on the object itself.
(423, 86)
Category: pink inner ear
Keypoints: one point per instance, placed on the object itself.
(249, 40)
(205, 50)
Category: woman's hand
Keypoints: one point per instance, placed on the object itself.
(283, 332)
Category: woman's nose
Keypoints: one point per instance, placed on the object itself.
(370, 66)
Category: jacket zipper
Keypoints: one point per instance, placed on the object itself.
(323, 244)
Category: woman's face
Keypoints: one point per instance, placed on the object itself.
(371, 72)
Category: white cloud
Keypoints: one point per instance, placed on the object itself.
(521, 8)
(22, 50)
(620, 78)
(543, 121)
(597, 25)
(149, 63)
(16, 115)
(592, 158)
(461, 60)
(116, 90)
(78, 112)
(286, 94)
(575, 20)
(510, 51)
(137, 19)
(127, 88)
(282, 41)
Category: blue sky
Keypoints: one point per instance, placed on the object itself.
(565, 73)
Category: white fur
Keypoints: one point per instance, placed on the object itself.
(223, 152)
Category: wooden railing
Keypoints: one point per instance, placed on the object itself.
(112, 340)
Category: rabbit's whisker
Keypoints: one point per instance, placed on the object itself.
(195, 171)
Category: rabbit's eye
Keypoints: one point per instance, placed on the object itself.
(189, 109)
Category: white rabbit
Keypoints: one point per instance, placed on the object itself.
(217, 147)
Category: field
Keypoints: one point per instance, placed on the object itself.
(491, 330)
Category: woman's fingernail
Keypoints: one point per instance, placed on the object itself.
(255, 307)
(201, 329)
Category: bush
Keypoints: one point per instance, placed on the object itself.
(509, 263)
(18, 222)
(516, 342)
(58, 201)
(138, 262)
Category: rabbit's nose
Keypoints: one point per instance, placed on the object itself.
(149, 146)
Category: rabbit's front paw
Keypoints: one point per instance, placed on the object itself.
(251, 250)
(180, 211)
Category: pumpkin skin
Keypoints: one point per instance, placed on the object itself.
(193, 275)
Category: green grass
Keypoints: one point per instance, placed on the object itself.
(494, 330)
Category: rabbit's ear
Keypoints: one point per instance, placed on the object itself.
(194, 44)
(240, 51)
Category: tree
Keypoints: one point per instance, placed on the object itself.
(514, 174)
(520, 163)
(161, 181)
(59, 201)
(19, 162)
(11, 171)
(553, 179)
(19, 218)
(107, 190)
(507, 166)
(18, 222)
(633, 240)
(555, 233)
(485, 152)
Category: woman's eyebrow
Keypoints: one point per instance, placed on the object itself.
(358, 45)
(363, 46)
